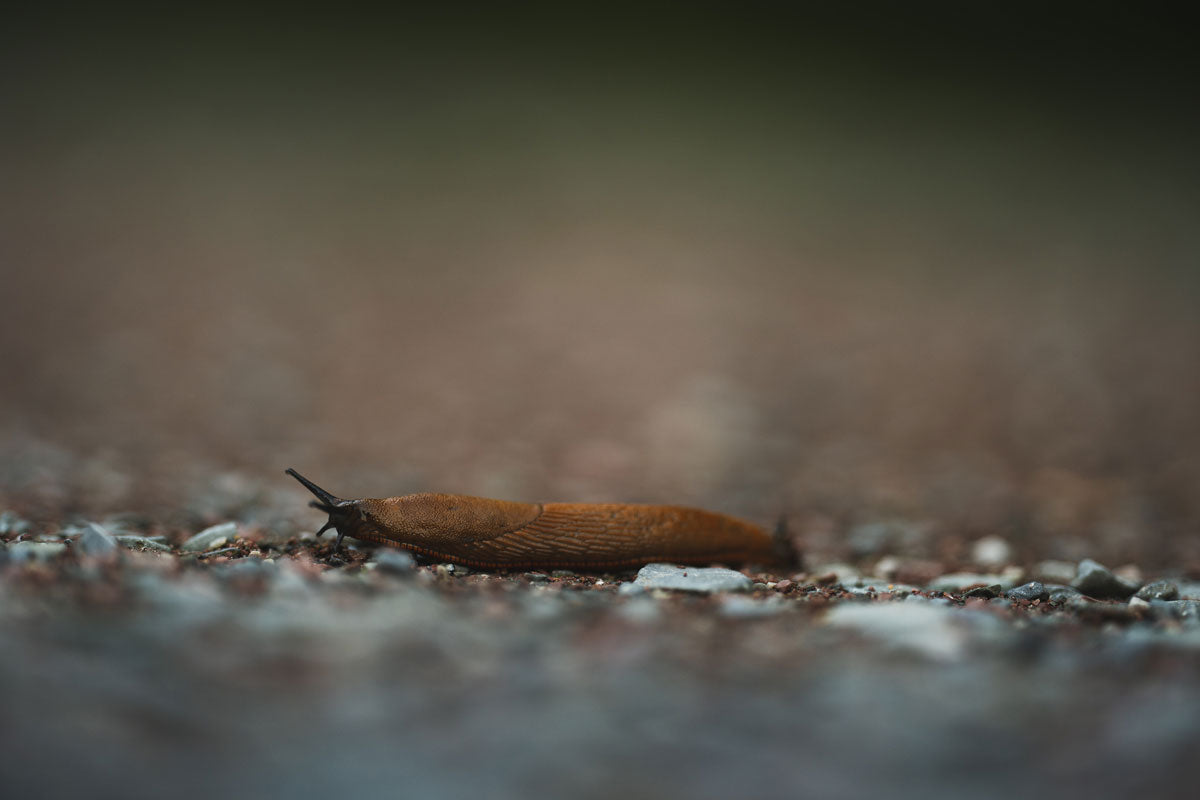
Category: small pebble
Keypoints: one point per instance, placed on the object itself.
(1158, 590)
(41, 552)
(394, 561)
(1034, 590)
(1061, 594)
(134, 542)
(96, 543)
(209, 538)
(562, 573)
(1095, 580)
(984, 592)
(691, 579)
(536, 577)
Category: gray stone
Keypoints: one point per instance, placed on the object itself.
(20, 552)
(96, 542)
(209, 538)
(1061, 594)
(692, 579)
(1138, 604)
(537, 577)
(134, 542)
(1158, 590)
(1096, 580)
(562, 573)
(1034, 590)
(394, 561)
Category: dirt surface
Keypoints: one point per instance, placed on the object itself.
(268, 665)
(921, 282)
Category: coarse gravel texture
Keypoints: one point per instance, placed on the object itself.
(285, 669)
(921, 283)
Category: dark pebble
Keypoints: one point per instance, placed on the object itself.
(1095, 580)
(1159, 590)
(984, 592)
(1034, 590)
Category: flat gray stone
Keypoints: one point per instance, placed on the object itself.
(1096, 580)
(1158, 590)
(21, 552)
(135, 542)
(1034, 590)
(96, 542)
(1061, 594)
(394, 561)
(209, 538)
(705, 580)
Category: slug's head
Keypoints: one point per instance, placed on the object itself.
(345, 516)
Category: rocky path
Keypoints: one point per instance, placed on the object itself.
(220, 664)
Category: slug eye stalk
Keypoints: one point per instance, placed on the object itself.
(339, 510)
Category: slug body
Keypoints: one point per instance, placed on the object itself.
(498, 534)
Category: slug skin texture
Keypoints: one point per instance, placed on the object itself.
(499, 534)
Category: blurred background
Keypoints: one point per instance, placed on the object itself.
(919, 264)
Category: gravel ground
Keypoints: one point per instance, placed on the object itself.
(923, 282)
(228, 661)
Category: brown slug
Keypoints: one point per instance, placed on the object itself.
(499, 534)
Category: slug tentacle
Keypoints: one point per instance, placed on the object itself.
(342, 513)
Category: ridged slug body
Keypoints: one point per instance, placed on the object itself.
(499, 534)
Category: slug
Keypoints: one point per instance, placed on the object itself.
(500, 534)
